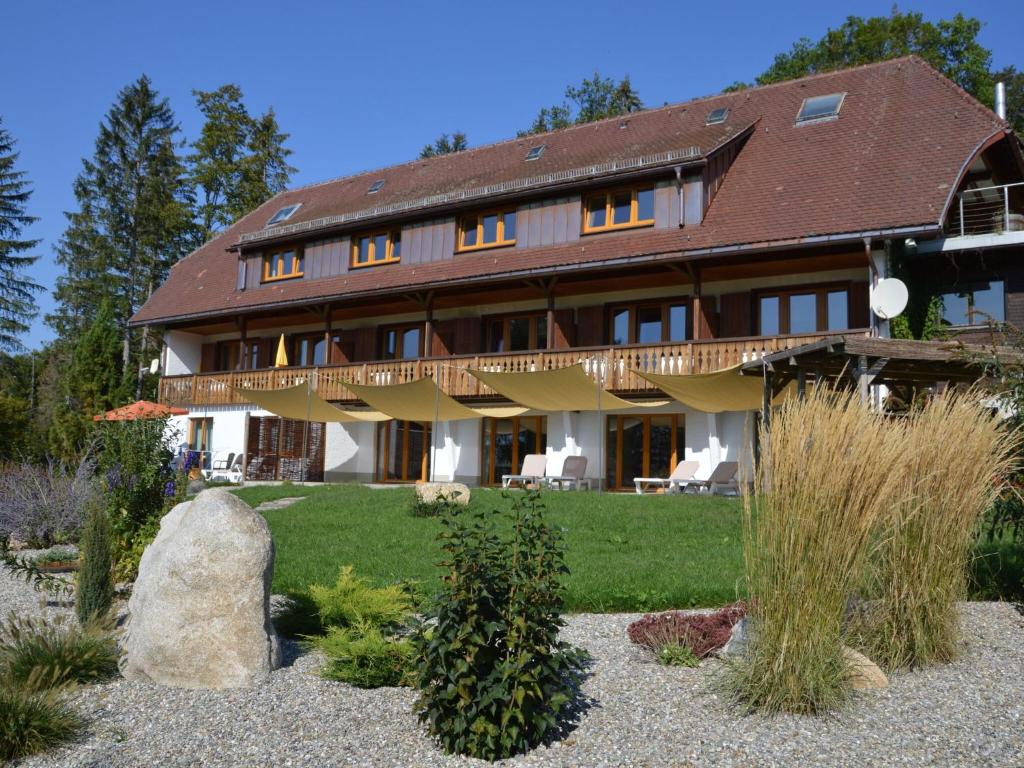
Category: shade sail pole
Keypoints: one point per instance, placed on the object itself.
(305, 427)
(437, 410)
(602, 433)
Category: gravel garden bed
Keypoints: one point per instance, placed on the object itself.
(638, 714)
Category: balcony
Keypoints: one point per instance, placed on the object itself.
(992, 210)
(615, 364)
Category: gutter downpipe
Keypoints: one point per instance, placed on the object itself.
(679, 194)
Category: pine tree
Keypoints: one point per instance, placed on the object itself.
(17, 292)
(238, 162)
(134, 221)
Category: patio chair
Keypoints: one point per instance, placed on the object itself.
(681, 476)
(531, 473)
(722, 478)
(573, 475)
(221, 462)
(231, 473)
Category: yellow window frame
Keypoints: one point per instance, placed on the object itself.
(288, 261)
(478, 226)
(609, 197)
(389, 256)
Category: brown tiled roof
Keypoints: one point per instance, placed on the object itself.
(890, 161)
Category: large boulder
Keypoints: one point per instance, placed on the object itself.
(199, 614)
(428, 493)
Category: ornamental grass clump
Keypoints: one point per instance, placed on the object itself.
(955, 454)
(494, 679)
(38, 654)
(819, 490)
(31, 722)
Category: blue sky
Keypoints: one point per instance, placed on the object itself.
(360, 85)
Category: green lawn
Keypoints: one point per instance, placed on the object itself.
(624, 552)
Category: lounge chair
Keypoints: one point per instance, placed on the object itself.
(232, 473)
(722, 478)
(531, 473)
(573, 475)
(221, 462)
(681, 476)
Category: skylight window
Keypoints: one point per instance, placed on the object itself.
(536, 152)
(717, 116)
(284, 214)
(375, 187)
(820, 107)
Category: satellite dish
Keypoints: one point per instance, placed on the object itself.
(889, 298)
(154, 365)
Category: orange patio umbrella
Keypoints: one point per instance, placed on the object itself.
(140, 409)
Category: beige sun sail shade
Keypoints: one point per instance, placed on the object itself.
(561, 389)
(716, 392)
(292, 403)
(281, 360)
(420, 400)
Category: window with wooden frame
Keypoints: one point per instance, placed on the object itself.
(310, 349)
(283, 265)
(974, 303)
(506, 442)
(517, 333)
(401, 342)
(643, 446)
(650, 323)
(374, 248)
(808, 309)
(200, 439)
(618, 209)
(487, 229)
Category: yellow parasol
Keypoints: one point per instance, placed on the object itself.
(281, 361)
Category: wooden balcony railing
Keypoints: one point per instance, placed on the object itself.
(616, 364)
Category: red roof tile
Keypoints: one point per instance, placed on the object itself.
(891, 160)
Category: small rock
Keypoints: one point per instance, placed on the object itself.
(864, 673)
(199, 614)
(738, 640)
(428, 493)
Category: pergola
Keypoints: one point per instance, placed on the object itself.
(863, 361)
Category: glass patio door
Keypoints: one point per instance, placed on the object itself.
(642, 446)
(403, 452)
(506, 442)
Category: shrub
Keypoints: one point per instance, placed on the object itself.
(823, 482)
(94, 592)
(701, 634)
(134, 464)
(42, 505)
(129, 551)
(920, 567)
(352, 601)
(363, 656)
(33, 721)
(36, 654)
(58, 555)
(494, 679)
(433, 508)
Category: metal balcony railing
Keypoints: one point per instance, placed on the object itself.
(988, 210)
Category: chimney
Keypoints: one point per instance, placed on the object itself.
(1001, 100)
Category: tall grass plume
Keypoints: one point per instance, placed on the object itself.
(819, 490)
(954, 454)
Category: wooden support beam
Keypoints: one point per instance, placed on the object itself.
(801, 383)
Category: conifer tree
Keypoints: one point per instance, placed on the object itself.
(134, 221)
(17, 291)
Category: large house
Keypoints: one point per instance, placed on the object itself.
(679, 240)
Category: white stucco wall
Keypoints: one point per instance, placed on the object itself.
(349, 452)
(182, 353)
(456, 451)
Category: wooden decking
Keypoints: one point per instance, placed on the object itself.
(615, 364)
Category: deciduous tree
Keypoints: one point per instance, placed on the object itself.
(593, 99)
